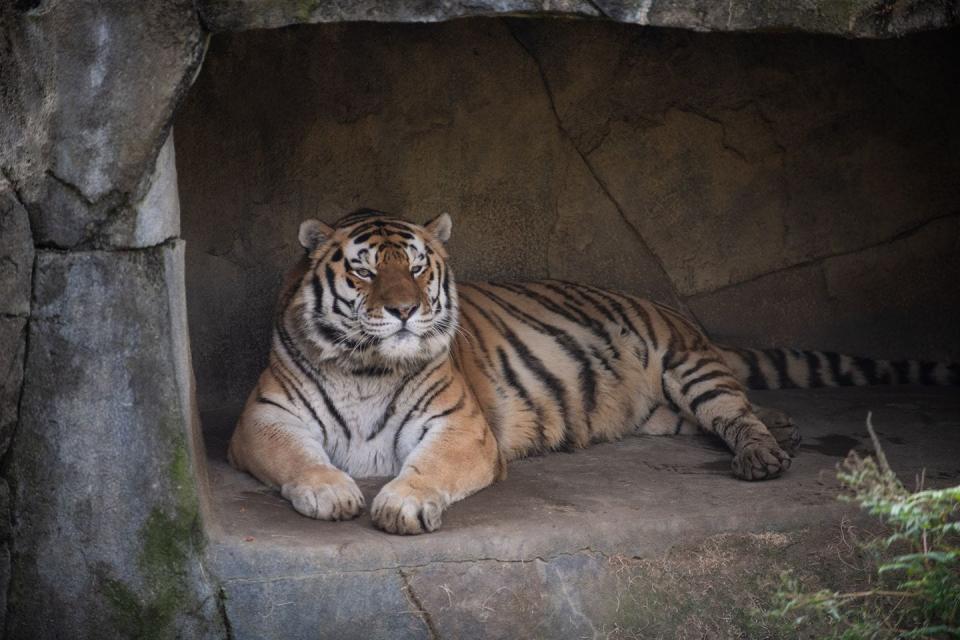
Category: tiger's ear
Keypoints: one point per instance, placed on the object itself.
(440, 227)
(313, 232)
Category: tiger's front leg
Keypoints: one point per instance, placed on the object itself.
(286, 452)
(457, 456)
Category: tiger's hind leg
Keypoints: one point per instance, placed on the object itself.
(665, 421)
(710, 394)
(781, 426)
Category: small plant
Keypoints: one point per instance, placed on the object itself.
(914, 591)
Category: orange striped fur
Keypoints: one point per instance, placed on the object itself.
(382, 365)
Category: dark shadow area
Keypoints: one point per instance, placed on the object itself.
(785, 190)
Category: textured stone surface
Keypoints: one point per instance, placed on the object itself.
(103, 536)
(859, 18)
(12, 345)
(352, 606)
(106, 507)
(89, 90)
(16, 266)
(576, 545)
(16, 254)
(587, 151)
(869, 301)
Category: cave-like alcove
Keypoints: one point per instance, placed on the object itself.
(787, 190)
(782, 189)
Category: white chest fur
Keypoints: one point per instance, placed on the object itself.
(380, 420)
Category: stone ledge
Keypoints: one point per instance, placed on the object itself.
(565, 532)
(858, 19)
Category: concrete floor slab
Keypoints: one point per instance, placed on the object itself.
(538, 551)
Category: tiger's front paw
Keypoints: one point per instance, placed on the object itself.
(401, 508)
(324, 494)
(760, 461)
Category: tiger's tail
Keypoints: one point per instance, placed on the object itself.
(801, 369)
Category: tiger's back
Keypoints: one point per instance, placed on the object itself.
(558, 365)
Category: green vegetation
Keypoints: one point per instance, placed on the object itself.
(913, 589)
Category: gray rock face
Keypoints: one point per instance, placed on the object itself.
(12, 348)
(16, 266)
(92, 88)
(16, 254)
(106, 506)
(859, 18)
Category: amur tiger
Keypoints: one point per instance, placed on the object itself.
(382, 366)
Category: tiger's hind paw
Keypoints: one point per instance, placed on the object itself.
(760, 461)
(781, 427)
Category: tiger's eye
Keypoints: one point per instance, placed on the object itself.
(363, 273)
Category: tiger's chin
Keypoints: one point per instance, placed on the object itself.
(406, 349)
(401, 346)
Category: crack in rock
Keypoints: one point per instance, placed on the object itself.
(596, 176)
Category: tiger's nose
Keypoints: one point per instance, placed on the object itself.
(402, 312)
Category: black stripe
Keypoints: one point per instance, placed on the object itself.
(902, 368)
(475, 334)
(328, 331)
(700, 341)
(756, 380)
(337, 298)
(576, 316)
(703, 378)
(833, 360)
(868, 368)
(428, 396)
(443, 414)
(372, 372)
(699, 364)
(813, 369)
(588, 380)
(283, 386)
(316, 418)
(706, 396)
(606, 363)
(511, 377)
(311, 374)
(650, 410)
(667, 395)
(392, 406)
(618, 308)
(569, 290)
(679, 426)
(530, 361)
(263, 400)
(778, 359)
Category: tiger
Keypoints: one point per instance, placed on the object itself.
(382, 365)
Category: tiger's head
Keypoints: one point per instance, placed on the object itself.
(378, 290)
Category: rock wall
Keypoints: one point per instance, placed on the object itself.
(784, 190)
(101, 496)
(851, 18)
